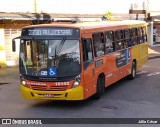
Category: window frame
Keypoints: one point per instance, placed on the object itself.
(95, 45)
(144, 30)
(127, 40)
(134, 37)
(117, 41)
(89, 61)
(111, 41)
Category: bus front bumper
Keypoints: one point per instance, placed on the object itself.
(70, 94)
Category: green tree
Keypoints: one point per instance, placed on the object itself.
(108, 15)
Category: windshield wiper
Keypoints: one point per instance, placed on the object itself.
(57, 51)
(59, 48)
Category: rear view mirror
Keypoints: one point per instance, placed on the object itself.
(13, 45)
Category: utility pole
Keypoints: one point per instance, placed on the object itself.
(35, 6)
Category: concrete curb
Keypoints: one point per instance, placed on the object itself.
(153, 57)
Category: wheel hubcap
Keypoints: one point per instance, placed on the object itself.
(134, 72)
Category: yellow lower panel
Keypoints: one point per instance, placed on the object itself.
(2, 58)
(71, 94)
(2, 63)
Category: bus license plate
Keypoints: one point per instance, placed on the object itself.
(48, 95)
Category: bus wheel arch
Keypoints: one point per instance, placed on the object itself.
(133, 70)
(100, 86)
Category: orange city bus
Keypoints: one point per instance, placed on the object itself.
(73, 61)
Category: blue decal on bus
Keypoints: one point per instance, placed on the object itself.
(127, 55)
(120, 58)
(52, 71)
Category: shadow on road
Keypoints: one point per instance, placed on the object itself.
(63, 104)
(3, 83)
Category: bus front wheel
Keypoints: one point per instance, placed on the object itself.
(133, 71)
(100, 88)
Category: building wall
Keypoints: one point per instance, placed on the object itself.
(2, 47)
(12, 29)
(11, 57)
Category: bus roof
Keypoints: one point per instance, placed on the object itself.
(93, 25)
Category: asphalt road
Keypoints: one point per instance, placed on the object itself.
(138, 98)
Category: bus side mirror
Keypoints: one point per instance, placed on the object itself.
(13, 45)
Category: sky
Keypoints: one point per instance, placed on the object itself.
(74, 6)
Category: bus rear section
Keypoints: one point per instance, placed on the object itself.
(139, 45)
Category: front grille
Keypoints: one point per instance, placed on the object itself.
(49, 88)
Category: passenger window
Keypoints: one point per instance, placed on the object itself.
(127, 33)
(144, 30)
(87, 52)
(134, 36)
(108, 42)
(144, 34)
(140, 35)
(98, 42)
(127, 36)
(118, 35)
(28, 51)
(119, 44)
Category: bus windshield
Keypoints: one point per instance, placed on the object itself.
(55, 58)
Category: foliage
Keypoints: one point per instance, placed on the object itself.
(108, 15)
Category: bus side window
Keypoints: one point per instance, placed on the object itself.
(87, 52)
(144, 34)
(28, 51)
(127, 38)
(140, 35)
(98, 41)
(108, 42)
(119, 40)
(134, 36)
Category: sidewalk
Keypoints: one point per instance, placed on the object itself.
(9, 76)
(154, 52)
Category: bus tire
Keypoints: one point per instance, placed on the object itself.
(133, 71)
(103, 84)
(100, 88)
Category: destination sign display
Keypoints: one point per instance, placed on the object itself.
(51, 32)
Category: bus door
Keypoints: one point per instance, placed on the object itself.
(88, 67)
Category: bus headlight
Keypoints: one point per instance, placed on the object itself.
(24, 83)
(77, 81)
